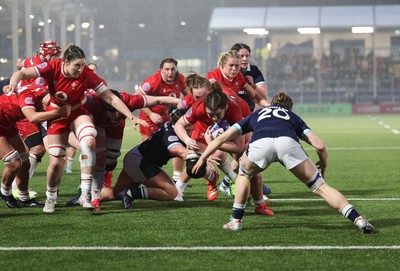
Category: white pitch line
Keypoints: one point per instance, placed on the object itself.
(396, 132)
(75, 248)
(359, 148)
(351, 199)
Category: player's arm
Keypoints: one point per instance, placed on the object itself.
(180, 130)
(155, 100)
(20, 75)
(228, 135)
(155, 118)
(256, 96)
(36, 117)
(118, 104)
(322, 152)
(235, 145)
(19, 64)
(178, 150)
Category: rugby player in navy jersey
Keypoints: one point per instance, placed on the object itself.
(276, 138)
(143, 165)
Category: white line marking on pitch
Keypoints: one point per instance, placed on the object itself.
(74, 248)
(351, 199)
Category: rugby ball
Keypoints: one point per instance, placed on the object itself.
(218, 128)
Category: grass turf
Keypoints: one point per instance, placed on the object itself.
(305, 233)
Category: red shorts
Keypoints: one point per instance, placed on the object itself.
(61, 126)
(9, 132)
(27, 128)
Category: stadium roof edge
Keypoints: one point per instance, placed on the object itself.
(237, 18)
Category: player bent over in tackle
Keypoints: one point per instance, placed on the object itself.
(276, 133)
(143, 165)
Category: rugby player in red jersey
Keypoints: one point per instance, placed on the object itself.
(13, 151)
(167, 81)
(68, 79)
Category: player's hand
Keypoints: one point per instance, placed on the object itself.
(213, 160)
(65, 110)
(250, 80)
(191, 144)
(9, 90)
(156, 118)
(135, 121)
(322, 167)
(207, 136)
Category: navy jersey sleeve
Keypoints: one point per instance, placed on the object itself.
(257, 75)
(299, 125)
(170, 139)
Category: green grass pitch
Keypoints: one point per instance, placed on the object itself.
(304, 234)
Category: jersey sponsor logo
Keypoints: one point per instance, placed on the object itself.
(146, 87)
(61, 96)
(29, 100)
(189, 113)
(39, 81)
(173, 138)
(183, 104)
(42, 65)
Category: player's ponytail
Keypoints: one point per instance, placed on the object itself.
(282, 99)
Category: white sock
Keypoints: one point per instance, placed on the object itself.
(180, 186)
(86, 183)
(227, 169)
(34, 163)
(51, 192)
(176, 175)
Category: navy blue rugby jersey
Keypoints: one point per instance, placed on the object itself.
(273, 121)
(253, 71)
(155, 150)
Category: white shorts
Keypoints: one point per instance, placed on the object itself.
(286, 150)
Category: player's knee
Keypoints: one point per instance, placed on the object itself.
(243, 172)
(35, 156)
(191, 160)
(38, 150)
(87, 132)
(88, 155)
(12, 160)
(56, 150)
(315, 182)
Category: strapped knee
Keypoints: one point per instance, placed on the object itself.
(191, 160)
(243, 171)
(11, 157)
(56, 150)
(86, 132)
(315, 182)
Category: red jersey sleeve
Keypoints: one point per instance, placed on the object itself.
(133, 102)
